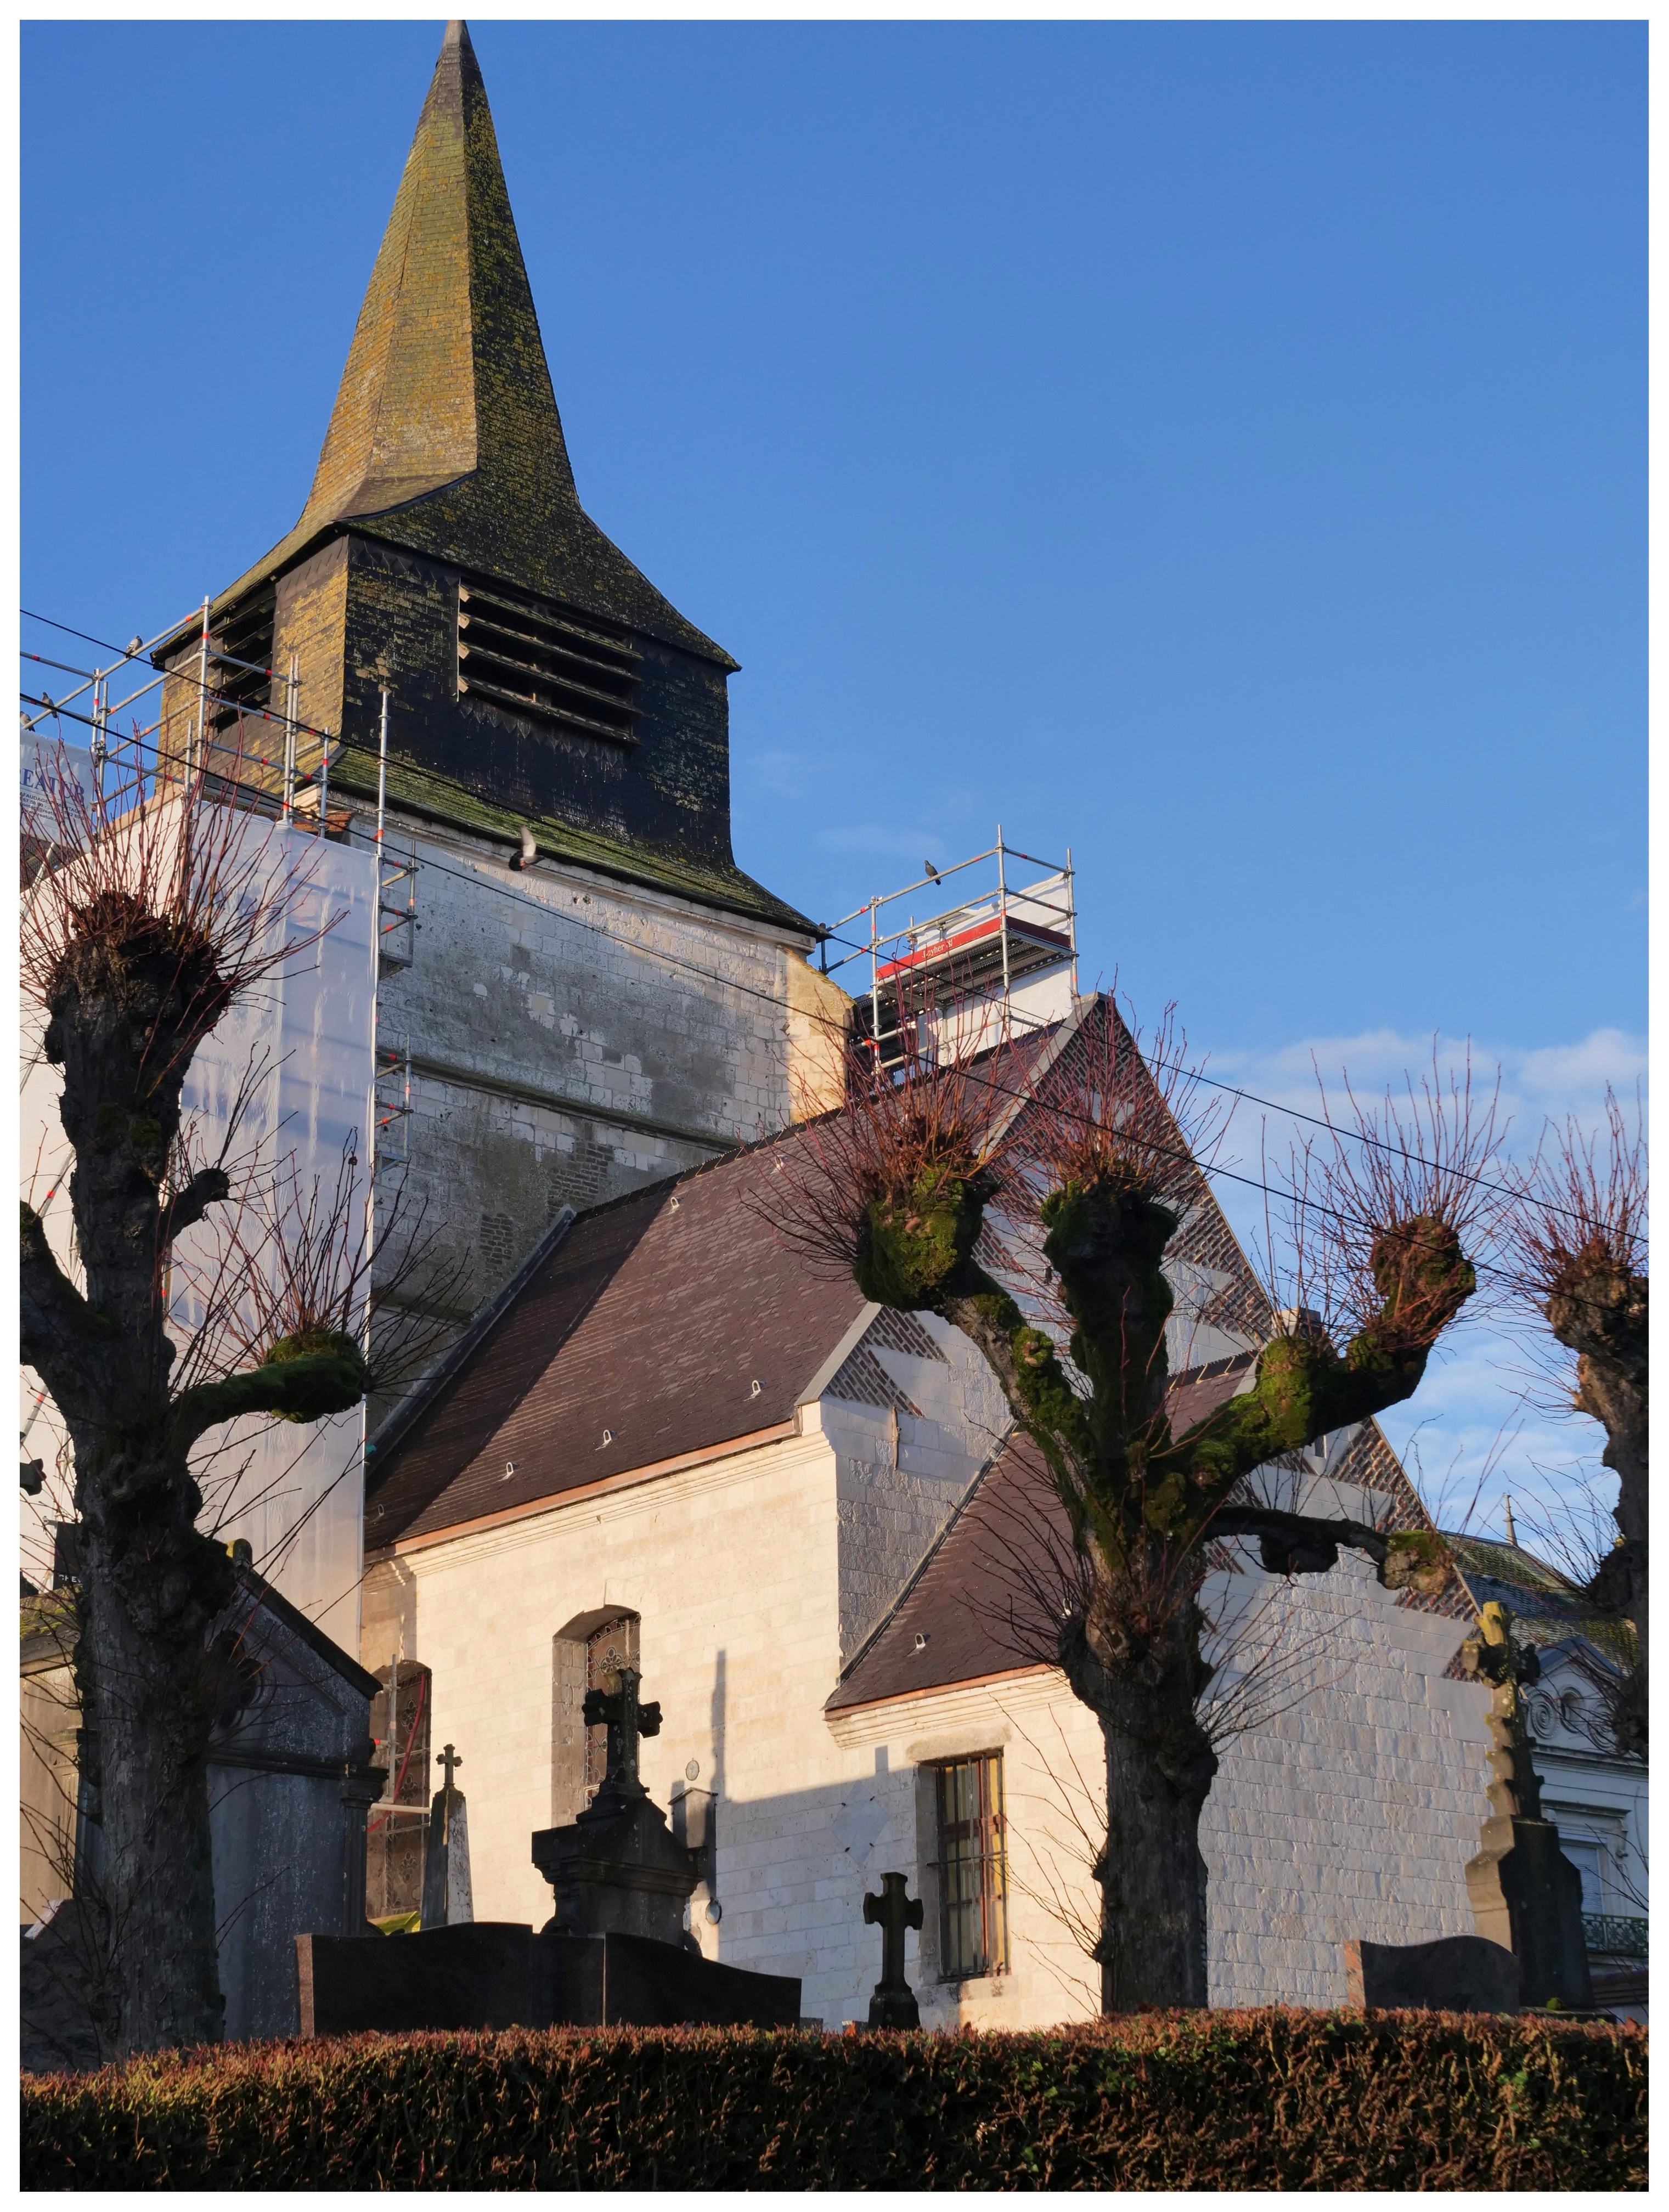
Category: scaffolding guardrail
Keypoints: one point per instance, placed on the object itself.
(970, 954)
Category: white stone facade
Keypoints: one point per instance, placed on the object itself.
(1349, 1810)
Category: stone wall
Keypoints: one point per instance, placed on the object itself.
(1350, 1811)
(571, 1038)
(913, 1415)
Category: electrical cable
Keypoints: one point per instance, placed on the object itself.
(359, 746)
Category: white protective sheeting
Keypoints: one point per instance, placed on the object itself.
(295, 1491)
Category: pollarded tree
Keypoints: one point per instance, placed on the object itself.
(138, 937)
(1088, 1142)
(1576, 1244)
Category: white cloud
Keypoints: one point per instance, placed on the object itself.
(1539, 1082)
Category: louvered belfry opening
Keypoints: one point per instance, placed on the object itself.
(532, 658)
(241, 669)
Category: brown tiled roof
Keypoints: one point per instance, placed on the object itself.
(979, 1598)
(652, 1319)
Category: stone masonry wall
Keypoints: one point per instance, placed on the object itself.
(913, 1415)
(570, 1037)
(1351, 1812)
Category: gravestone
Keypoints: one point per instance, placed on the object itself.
(616, 1949)
(447, 1901)
(479, 1974)
(1526, 1895)
(491, 1974)
(893, 2004)
(1457, 1973)
(615, 1952)
(618, 1869)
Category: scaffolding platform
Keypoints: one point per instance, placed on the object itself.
(972, 955)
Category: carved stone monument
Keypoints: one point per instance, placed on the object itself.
(615, 1953)
(1525, 1895)
(447, 1901)
(618, 1869)
(893, 2004)
(289, 1780)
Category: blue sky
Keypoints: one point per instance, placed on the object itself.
(1218, 447)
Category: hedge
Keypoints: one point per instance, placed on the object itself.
(1265, 2100)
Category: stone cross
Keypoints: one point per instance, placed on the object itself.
(626, 1719)
(450, 1759)
(893, 2004)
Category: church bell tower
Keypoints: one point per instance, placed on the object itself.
(537, 676)
(586, 990)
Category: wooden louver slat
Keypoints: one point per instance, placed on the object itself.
(530, 657)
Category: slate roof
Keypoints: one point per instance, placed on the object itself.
(651, 1318)
(978, 1597)
(445, 437)
(1547, 1606)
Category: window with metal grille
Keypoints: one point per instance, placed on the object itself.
(530, 657)
(973, 1883)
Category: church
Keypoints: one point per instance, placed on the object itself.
(657, 1436)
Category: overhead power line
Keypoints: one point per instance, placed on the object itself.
(676, 960)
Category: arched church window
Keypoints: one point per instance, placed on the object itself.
(587, 1654)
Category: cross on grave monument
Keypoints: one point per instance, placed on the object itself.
(626, 1719)
(617, 1868)
(1525, 1895)
(447, 1899)
(893, 2004)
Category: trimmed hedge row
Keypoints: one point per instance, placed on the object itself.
(1265, 2100)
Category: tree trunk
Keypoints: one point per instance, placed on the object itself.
(150, 1588)
(1602, 1317)
(1160, 1766)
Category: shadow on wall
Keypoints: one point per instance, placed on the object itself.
(791, 1872)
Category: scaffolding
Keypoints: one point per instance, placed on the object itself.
(229, 719)
(970, 956)
(277, 762)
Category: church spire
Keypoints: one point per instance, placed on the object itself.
(445, 437)
(447, 358)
